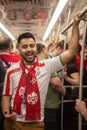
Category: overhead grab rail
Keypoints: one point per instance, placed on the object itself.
(71, 23)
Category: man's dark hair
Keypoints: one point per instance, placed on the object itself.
(5, 43)
(40, 47)
(25, 35)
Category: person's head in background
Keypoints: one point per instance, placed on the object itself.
(59, 48)
(79, 49)
(27, 48)
(5, 44)
(42, 51)
(11, 47)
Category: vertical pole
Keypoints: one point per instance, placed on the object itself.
(81, 73)
(59, 25)
(62, 95)
(69, 13)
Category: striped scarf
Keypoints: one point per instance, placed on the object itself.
(28, 90)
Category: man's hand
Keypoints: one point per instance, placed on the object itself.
(80, 106)
(77, 18)
(11, 116)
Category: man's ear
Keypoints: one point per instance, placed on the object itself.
(18, 47)
(43, 50)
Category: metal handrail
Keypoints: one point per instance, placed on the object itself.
(71, 23)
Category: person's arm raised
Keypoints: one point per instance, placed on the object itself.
(72, 47)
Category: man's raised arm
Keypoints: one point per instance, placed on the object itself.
(72, 46)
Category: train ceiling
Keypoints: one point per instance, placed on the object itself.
(32, 15)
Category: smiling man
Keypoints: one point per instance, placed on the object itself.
(26, 83)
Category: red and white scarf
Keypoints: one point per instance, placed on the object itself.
(28, 89)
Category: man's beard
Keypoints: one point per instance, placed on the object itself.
(29, 61)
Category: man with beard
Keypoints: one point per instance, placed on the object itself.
(26, 83)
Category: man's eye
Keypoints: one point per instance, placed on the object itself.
(24, 46)
(32, 45)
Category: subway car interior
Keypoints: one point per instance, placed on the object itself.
(50, 23)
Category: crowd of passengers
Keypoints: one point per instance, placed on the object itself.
(62, 82)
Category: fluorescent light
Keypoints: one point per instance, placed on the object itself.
(54, 18)
(4, 29)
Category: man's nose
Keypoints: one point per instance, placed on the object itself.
(29, 48)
